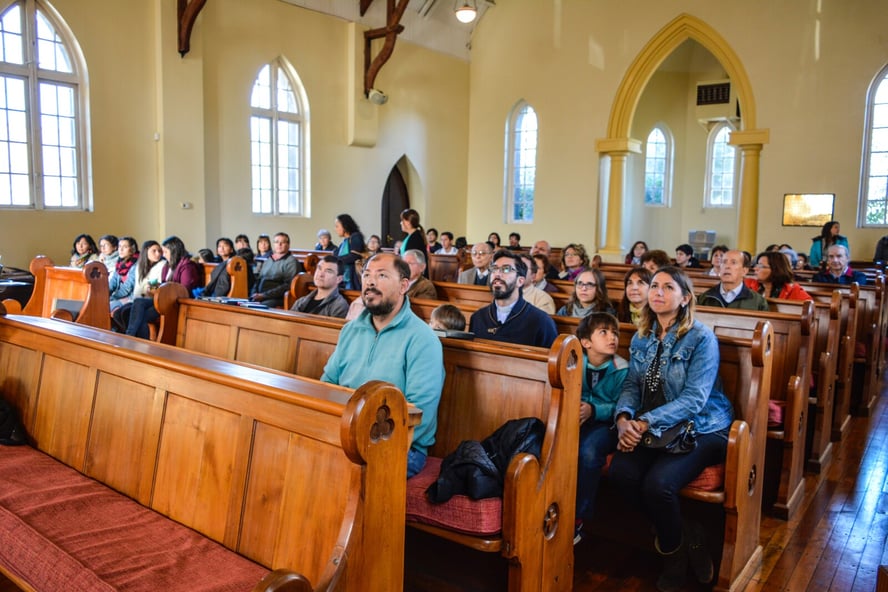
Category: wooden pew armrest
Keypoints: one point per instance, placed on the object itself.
(11, 306)
(741, 474)
(283, 580)
(522, 498)
(794, 414)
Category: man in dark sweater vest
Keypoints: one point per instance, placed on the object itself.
(509, 317)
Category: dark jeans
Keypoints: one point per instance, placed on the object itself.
(416, 460)
(650, 480)
(597, 440)
(141, 313)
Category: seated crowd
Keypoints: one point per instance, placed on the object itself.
(625, 406)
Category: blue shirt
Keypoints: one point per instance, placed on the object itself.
(405, 353)
(689, 366)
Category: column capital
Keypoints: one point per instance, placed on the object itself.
(750, 138)
(618, 145)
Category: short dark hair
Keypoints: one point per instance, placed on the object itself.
(111, 239)
(596, 320)
(533, 264)
(433, 229)
(340, 266)
(242, 237)
(448, 234)
(520, 266)
(225, 240)
(686, 249)
(515, 235)
(718, 248)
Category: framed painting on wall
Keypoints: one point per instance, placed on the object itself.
(808, 209)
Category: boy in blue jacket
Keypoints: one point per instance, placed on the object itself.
(603, 375)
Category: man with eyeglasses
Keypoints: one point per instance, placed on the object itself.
(731, 292)
(478, 274)
(387, 341)
(326, 300)
(837, 269)
(510, 317)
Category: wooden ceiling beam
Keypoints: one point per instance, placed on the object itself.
(365, 5)
(188, 11)
(393, 27)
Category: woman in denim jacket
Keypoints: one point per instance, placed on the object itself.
(687, 379)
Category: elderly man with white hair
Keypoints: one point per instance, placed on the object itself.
(420, 286)
(837, 269)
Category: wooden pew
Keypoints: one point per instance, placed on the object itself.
(88, 286)
(237, 271)
(494, 372)
(288, 472)
(443, 268)
(825, 365)
(497, 381)
(479, 296)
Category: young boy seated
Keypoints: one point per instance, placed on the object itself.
(603, 375)
(447, 318)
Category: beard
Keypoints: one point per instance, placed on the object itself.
(504, 290)
(382, 308)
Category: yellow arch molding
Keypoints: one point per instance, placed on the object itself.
(619, 142)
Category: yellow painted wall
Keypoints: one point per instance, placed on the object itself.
(198, 105)
(810, 72)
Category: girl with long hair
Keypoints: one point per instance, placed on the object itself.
(635, 294)
(590, 295)
(350, 250)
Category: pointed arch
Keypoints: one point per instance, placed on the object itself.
(615, 149)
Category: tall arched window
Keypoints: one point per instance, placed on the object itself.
(658, 167)
(43, 123)
(874, 172)
(521, 149)
(279, 142)
(720, 168)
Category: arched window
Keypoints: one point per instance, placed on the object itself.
(279, 142)
(874, 172)
(521, 149)
(658, 167)
(720, 168)
(43, 123)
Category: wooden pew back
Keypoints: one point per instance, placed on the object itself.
(87, 286)
(236, 267)
(222, 448)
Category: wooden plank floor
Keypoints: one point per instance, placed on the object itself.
(836, 542)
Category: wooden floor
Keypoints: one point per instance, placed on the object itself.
(835, 543)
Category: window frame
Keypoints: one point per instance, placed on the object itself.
(275, 116)
(710, 172)
(513, 151)
(667, 167)
(863, 200)
(34, 77)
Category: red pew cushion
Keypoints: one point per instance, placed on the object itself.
(462, 514)
(64, 531)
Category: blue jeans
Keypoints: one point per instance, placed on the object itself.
(415, 462)
(650, 480)
(142, 313)
(597, 440)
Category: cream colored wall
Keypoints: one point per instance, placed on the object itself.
(116, 39)
(426, 119)
(568, 64)
(198, 107)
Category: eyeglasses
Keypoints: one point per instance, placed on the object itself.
(586, 285)
(480, 253)
(571, 254)
(760, 266)
(503, 269)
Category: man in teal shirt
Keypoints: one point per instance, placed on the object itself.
(388, 342)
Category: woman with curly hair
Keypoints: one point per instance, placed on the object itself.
(574, 259)
(633, 257)
(83, 251)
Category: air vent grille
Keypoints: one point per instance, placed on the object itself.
(714, 94)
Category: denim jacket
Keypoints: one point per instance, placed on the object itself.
(689, 367)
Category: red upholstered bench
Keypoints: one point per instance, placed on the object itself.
(64, 531)
(484, 517)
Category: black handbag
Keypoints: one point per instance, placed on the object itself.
(679, 439)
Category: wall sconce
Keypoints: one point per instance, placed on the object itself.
(466, 11)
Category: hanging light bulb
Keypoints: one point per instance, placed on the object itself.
(466, 12)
